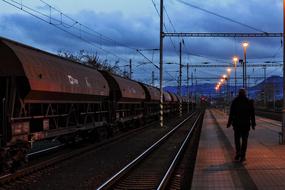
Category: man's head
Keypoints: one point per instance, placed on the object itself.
(242, 92)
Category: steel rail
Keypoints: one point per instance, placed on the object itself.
(171, 168)
(124, 170)
(44, 150)
(9, 177)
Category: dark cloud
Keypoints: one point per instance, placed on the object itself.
(266, 16)
(134, 33)
(143, 31)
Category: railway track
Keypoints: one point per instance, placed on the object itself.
(32, 169)
(36, 169)
(269, 114)
(154, 167)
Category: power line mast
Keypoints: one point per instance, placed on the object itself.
(229, 35)
(130, 69)
(192, 84)
(161, 35)
(188, 93)
(180, 68)
(195, 86)
(152, 78)
(180, 77)
(283, 110)
(264, 86)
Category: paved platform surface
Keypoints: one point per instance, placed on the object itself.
(265, 161)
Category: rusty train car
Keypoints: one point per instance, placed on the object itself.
(44, 96)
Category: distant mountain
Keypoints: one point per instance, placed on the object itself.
(273, 85)
(201, 89)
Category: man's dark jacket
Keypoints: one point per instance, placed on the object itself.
(242, 114)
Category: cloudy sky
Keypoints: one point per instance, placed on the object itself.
(115, 29)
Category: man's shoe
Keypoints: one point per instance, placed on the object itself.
(242, 159)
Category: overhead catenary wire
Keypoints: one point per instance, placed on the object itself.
(101, 35)
(63, 26)
(75, 23)
(174, 30)
(87, 27)
(150, 61)
(156, 9)
(220, 16)
(26, 9)
(172, 25)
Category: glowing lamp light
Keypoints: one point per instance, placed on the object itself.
(245, 44)
(235, 59)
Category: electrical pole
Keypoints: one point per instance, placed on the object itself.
(283, 110)
(188, 93)
(130, 67)
(247, 84)
(180, 68)
(195, 87)
(192, 80)
(180, 77)
(192, 83)
(161, 63)
(243, 72)
(152, 78)
(264, 85)
(274, 99)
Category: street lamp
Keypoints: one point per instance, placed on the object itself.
(235, 60)
(229, 71)
(226, 78)
(228, 83)
(217, 88)
(245, 46)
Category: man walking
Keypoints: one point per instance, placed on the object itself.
(241, 116)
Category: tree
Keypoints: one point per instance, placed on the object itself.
(92, 60)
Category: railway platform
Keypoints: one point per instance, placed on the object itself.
(215, 168)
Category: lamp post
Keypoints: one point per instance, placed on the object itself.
(235, 60)
(225, 78)
(217, 91)
(245, 45)
(228, 84)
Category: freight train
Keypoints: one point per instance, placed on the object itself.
(44, 96)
